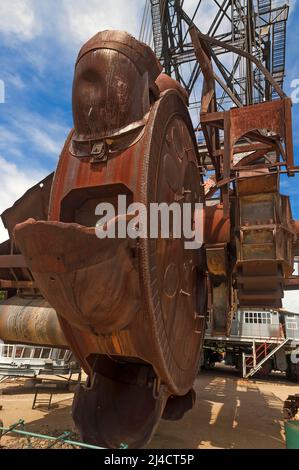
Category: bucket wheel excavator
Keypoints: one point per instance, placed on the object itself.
(133, 309)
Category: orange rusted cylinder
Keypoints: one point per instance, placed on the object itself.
(217, 228)
(165, 82)
(296, 244)
(30, 321)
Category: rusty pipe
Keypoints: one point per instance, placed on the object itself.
(217, 228)
(30, 321)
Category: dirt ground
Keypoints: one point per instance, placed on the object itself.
(229, 413)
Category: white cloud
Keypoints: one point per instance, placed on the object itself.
(43, 135)
(71, 22)
(14, 183)
(7, 137)
(42, 31)
(15, 80)
(18, 20)
(47, 137)
(81, 19)
(292, 4)
(205, 14)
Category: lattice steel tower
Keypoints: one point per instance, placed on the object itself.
(255, 26)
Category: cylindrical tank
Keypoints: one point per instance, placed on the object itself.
(292, 434)
(30, 321)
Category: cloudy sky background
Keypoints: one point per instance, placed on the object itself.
(39, 43)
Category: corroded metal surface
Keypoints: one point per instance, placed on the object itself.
(291, 407)
(114, 79)
(257, 145)
(217, 228)
(118, 407)
(265, 239)
(46, 246)
(85, 280)
(34, 203)
(141, 302)
(13, 267)
(30, 321)
(134, 310)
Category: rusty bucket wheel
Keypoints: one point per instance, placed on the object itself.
(169, 272)
(153, 356)
(115, 409)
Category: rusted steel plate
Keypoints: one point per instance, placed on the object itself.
(34, 203)
(296, 245)
(268, 116)
(94, 408)
(12, 261)
(221, 288)
(217, 260)
(4, 284)
(291, 283)
(84, 278)
(265, 240)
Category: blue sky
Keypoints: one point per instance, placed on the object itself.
(291, 185)
(39, 43)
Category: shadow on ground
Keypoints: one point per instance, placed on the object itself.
(229, 413)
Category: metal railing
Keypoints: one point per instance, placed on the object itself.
(18, 429)
(21, 360)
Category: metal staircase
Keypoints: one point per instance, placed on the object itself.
(264, 6)
(279, 52)
(252, 363)
(276, 15)
(170, 24)
(156, 25)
